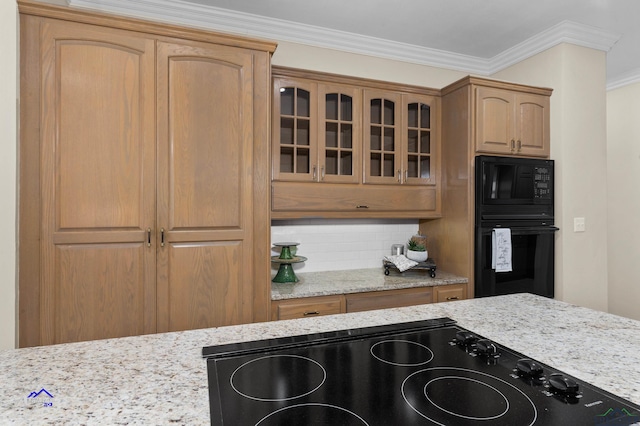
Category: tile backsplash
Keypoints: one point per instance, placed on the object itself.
(339, 244)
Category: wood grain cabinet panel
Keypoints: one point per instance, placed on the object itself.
(448, 293)
(512, 123)
(96, 183)
(307, 307)
(203, 286)
(358, 302)
(204, 192)
(146, 156)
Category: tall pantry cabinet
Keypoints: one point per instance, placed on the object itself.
(144, 177)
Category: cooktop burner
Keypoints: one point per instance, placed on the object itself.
(429, 372)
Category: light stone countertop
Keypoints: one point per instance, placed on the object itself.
(162, 379)
(357, 281)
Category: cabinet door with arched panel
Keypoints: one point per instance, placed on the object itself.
(420, 148)
(382, 137)
(294, 124)
(339, 133)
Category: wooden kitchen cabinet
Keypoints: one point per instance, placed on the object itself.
(398, 138)
(307, 307)
(347, 147)
(511, 122)
(135, 142)
(315, 126)
(448, 293)
(358, 302)
(480, 116)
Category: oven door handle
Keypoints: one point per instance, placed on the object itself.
(524, 230)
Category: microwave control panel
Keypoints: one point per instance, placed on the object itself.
(542, 183)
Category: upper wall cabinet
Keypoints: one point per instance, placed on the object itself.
(347, 147)
(507, 118)
(397, 138)
(511, 122)
(314, 131)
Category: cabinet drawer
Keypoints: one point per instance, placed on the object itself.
(320, 197)
(388, 299)
(307, 307)
(451, 292)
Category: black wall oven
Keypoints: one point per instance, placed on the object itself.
(514, 194)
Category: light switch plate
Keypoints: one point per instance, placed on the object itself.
(578, 224)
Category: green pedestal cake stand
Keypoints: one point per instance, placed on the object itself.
(286, 259)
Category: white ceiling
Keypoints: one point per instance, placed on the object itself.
(476, 36)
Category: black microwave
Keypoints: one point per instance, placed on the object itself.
(513, 181)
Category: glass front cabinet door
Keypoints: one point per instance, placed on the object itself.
(294, 130)
(382, 137)
(316, 134)
(339, 134)
(419, 156)
(399, 141)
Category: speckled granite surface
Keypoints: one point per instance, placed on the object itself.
(162, 379)
(357, 281)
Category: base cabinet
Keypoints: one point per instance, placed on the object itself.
(449, 293)
(305, 307)
(388, 299)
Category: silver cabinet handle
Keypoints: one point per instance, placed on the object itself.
(161, 237)
(519, 145)
(148, 237)
(310, 313)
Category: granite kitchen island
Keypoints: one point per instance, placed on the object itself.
(162, 379)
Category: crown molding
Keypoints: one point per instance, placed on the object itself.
(224, 20)
(625, 79)
(563, 32)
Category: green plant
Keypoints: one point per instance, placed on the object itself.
(415, 245)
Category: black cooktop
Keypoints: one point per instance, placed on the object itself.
(429, 372)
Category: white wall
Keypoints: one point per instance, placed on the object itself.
(623, 199)
(333, 61)
(8, 164)
(578, 145)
